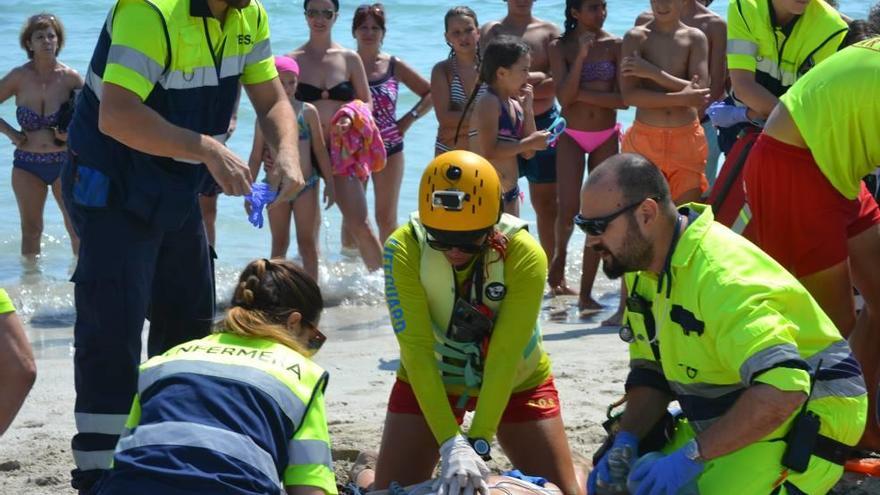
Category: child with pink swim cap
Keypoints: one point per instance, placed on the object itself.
(312, 148)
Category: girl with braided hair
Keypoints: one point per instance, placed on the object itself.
(453, 79)
(240, 411)
(503, 123)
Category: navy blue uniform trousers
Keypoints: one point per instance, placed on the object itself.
(128, 270)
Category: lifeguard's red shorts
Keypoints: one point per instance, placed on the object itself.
(798, 217)
(541, 402)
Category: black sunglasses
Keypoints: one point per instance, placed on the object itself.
(316, 341)
(597, 226)
(315, 13)
(464, 248)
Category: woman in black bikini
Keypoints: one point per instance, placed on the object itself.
(42, 88)
(332, 76)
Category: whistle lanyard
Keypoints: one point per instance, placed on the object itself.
(475, 282)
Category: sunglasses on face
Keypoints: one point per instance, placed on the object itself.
(464, 248)
(315, 13)
(317, 339)
(597, 226)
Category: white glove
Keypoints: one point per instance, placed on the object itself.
(461, 469)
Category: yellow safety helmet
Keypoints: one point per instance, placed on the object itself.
(460, 192)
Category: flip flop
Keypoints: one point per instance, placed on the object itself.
(556, 129)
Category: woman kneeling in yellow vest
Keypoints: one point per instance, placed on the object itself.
(240, 411)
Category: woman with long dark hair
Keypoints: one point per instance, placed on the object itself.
(584, 62)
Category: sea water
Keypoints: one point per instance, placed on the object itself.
(42, 292)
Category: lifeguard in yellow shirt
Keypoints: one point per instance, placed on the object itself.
(464, 286)
(812, 212)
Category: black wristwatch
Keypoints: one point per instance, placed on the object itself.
(481, 447)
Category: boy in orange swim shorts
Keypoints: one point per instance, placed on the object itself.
(679, 152)
(665, 75)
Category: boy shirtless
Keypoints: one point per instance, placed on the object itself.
(540, 170)
(697, 15)
(667, 91)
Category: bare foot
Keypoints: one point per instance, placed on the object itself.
(350, 252)
(589, 303)
(588, 308)
(615, 320)
(562, 290)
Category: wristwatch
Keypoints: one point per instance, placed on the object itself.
(481, 447)
(691, 450)
(414, 113)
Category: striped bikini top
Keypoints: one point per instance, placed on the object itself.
(457, 94)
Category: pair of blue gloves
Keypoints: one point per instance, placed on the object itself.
(665, 475)
(260, 197)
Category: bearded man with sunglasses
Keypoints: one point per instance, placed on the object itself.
(766, 384)
(464, 286)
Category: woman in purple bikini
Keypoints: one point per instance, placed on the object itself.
(43, 89)
(584, 63)
(385, 73)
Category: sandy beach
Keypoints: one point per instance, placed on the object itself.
(589, 364)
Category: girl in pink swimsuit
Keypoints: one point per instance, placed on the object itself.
(584, 63)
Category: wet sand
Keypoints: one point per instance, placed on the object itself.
(590, 365)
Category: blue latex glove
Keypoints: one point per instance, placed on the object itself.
(626, 447)
(261, 196)
(516, 473)
(666, 475)
(723, 115)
